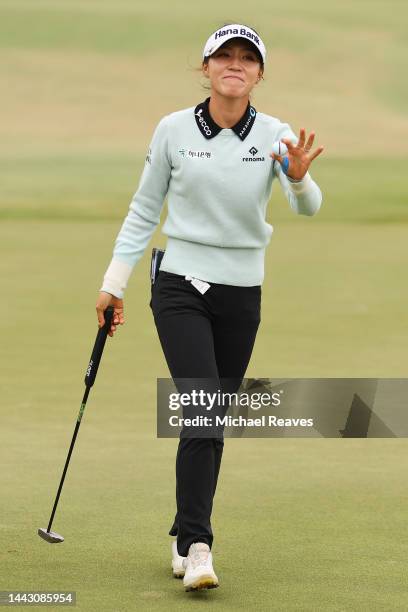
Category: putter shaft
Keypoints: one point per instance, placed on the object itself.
(48, 535)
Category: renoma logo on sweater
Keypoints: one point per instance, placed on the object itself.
(253, 151)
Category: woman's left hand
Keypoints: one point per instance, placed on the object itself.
(298, 155)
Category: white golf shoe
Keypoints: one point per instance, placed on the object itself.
(199, 572)
(177, 561)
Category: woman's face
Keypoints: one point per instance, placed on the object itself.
(233, 69)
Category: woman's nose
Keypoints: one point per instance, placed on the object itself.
(235, 61)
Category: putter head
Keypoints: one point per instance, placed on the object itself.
(50, 536)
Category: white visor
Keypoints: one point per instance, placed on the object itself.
(235, 30)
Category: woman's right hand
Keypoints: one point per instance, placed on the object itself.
(107, 299)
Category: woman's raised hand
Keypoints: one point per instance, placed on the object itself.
(107, 299)
(299, 155)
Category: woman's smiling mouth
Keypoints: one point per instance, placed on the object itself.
(233, 76)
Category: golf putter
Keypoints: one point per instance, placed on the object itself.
(46, 534)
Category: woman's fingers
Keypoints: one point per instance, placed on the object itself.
(316, 153)
(310, 142)
(298, 156)
(302, 138)
(289, 144)
(104, 300)
(100, 315)
(119, 317)
(301, 143)
(277, 157)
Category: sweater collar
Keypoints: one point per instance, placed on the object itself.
(209, 128)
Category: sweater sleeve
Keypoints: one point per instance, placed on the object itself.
(304, 196)
(144, 213)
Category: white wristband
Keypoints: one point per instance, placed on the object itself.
(116, 278)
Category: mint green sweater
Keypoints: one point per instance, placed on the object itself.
(218, 183)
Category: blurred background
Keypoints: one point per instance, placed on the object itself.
(83, 85)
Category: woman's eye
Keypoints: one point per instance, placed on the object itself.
(245, 57)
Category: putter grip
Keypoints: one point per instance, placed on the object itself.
(93, 365)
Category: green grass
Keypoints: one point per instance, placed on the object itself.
(324, 534)
(100, 188)
(70, 27)
(300, 525)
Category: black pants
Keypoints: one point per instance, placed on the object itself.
(210, 336)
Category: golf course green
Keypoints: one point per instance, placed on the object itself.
(299, 524)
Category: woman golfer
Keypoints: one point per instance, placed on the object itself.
(215, 163)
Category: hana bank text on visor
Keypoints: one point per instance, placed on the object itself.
(220, 36)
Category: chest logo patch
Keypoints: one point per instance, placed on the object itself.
(253, 151)
(199, 154)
